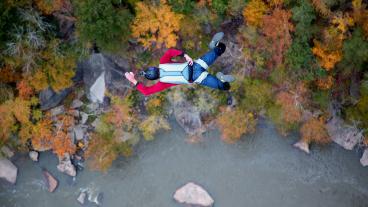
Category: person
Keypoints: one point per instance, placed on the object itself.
(171, 73)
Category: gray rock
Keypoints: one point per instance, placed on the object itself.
(193, 194)
(113, 68)
(49, 98)
(84, 118)
(92, 107)
(51, 181)
(364, 158)
(65, 166)
(33, 155)
(303, 146)
(7, 152)
(343, 134)
(76, 104)
(57, 110)
(78, 132)
(96, 122)
(82, 198)
(8, 171)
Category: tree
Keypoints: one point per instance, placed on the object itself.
(103, 23)
(355, 51)
(49, 6)
(254, 12)
(277, 28)
(153, 124)
(314, 130)
(156, 25)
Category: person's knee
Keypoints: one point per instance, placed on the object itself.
(226, 86)
(220, 48)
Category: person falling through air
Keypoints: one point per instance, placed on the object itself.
(171, 73)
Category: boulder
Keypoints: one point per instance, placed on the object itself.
(76, 104)
(49, 98)
(33, 155)
(101, 72)
(78, 132)
(84, 118)
(302, 145)
(57, 110)
(343, 134)
(51, 181)
(364, 158)
(8, 171)
(65, 166)
(7, 152)
(193, 194)
(189, 119)
(82, 198)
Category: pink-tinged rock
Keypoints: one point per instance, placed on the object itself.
(364, 158)
(342, 134)
(8, 171)
(193, 194)
(50, 181)
(303, 146)
(65, 166)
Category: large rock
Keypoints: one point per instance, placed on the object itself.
(65, 166)
(50, 181)
(76, 104)
(101, 72)
(78, 132)
(193, 194)
(343, 134)
(364, 158)
(8, 171)
(49, 98)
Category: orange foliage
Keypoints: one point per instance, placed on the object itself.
(235, 123)
(254, 12)
(24, 89)
(277, 28)
(49, 6)
(290, 107)
(325, 83)
(42, 134)
(8, 75)
(62, 142)
(321, 7)
(156, 25)
(7, 121)
(314, 130)
(326, 58)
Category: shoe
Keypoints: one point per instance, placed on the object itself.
(215, 39)
(225, 78)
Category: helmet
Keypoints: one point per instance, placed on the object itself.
(151, 73)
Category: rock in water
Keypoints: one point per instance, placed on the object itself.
(364, 158)
(8, 170)
(51, 182)
(342, 134)
(302, 145)
(33, 155)
(82, 198)
(65, 166)
(193, 194)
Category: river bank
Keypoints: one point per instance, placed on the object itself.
(262, 169)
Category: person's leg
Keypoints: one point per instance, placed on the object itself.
(210, 57)
(213, 82)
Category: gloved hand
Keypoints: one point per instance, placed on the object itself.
(130, 77)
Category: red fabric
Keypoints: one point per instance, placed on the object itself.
(160, 86)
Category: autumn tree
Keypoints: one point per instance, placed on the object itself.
(156, 25)
(314, 130)
(49, 6)
(254, 11)
(277, 29)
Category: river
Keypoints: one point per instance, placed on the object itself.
(261, 170)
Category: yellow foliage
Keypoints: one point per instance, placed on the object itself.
(49, 6)
(325, 83)
(327, 59)
(7, 121)
(42, 134)
(314, 130)
(39, 80)
(254, 12)
(342, 22)
(235, 123)
(276, 3)
(321, 7)
(156, 25)
(152, 124)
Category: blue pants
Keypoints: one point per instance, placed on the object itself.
(199, 67)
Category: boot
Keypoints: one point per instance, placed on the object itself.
(215, 40)
(225, 78)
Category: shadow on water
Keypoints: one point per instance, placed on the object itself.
(262, 169)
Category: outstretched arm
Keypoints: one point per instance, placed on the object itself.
(170, 53)
(148, 90)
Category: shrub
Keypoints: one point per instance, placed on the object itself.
(152, 124)
(314, 130)
(254, 12)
